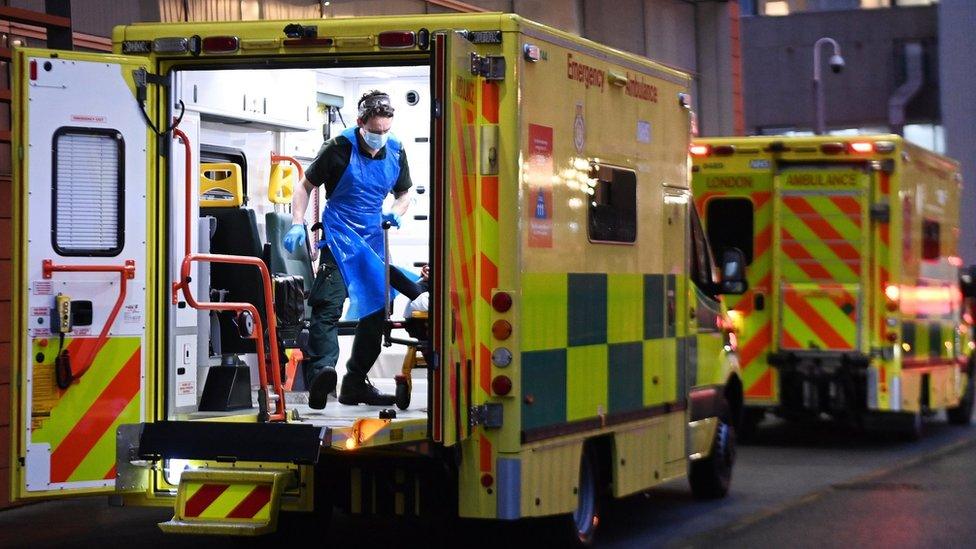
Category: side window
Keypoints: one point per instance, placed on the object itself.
(930, 239)
(730, 225)
(88, 184)
(613, 205)
(702, 267)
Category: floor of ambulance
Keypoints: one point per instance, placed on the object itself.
(336, 415)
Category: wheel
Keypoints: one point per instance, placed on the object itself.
(963, 414)
(710, 477)
(586, 517)
(402, 394)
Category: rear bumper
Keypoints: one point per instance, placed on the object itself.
(814, 382)
(817, 361)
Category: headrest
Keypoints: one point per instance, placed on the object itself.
(221, 185)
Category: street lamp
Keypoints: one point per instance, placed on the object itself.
(836, 64)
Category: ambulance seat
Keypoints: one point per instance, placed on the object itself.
(236, 233)
(297, 263)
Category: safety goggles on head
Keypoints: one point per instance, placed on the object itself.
(376, 105)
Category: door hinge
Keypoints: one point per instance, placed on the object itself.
(491, 67)
(488, 416)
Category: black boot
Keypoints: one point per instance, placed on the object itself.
(322, 384)
(358, 390)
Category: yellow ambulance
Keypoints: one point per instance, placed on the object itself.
(854, 308)
(578, 345)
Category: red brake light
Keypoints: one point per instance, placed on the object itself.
(699, 150)
(501, 302)
(487, 480)
(723, 150)
(221, 44)
(501, 385)
(862, 147)
(396, 39)
(832, 148)
(33, 70)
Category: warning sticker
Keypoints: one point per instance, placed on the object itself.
(132, 314)
(184, 388)
(44, 389)
(43, 287)
(539, 178)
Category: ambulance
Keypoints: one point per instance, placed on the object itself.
(854, 308)
(577, 344)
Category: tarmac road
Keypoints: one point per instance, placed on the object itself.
(797, 486)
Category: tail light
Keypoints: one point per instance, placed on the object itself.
(396, 40)
(893, 294)
(862, 147)
(699, 150)
(892, 337)
(501, 302)
(833, 148)
(501, 385)
(723, 150)
(501, 329)
(220, 44)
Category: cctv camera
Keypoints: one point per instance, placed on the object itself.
(836, 63)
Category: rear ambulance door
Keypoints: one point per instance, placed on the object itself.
(81, 177)
(821, 211)
(454, 247)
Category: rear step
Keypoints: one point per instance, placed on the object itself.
(228, 502)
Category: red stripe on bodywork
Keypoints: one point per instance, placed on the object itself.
(203, 498)
(763, 387)
(96, 420)
(756, 344)
(812, 319)
(803, 259)
(485, 461)
(254, 502)
(489, 195)
(489, 102)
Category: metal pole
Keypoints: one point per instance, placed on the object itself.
(820, 127)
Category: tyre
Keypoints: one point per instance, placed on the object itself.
(581, 526)
(963, 414)
(710, 477)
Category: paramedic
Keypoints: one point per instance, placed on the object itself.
(359, 168)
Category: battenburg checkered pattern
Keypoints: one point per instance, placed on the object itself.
(604, 344)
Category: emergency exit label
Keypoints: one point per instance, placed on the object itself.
(539, 179)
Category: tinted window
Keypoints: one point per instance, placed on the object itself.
(613, 205)
(930, 239)
(730, 225)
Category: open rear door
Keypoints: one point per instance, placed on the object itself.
(454, 240)
(81, 150)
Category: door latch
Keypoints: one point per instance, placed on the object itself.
(491, 67)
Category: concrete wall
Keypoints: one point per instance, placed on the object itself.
(957, 19)
(778, 57)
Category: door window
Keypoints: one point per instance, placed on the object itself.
(88, 191)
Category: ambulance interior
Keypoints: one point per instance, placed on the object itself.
(247, 129)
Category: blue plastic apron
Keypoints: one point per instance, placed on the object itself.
(352, 218)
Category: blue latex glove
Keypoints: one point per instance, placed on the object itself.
(294, 238)
(393, 218)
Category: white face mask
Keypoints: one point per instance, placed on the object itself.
(374, 141)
